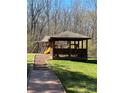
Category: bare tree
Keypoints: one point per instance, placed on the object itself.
(49, 17)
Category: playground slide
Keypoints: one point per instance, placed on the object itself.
(47, 51)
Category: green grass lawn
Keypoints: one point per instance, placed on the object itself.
(30, 57)
(30, 61)
(76, 77)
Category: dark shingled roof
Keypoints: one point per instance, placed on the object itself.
(66, 34)
(69, 34)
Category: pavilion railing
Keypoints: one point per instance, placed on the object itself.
(82, 53)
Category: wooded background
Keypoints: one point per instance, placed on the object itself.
(49, 17)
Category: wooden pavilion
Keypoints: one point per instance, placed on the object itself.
(68, 45)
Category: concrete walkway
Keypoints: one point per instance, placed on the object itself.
(44, 81)
(41, 59)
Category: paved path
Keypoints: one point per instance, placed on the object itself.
(44, 81)
(40, 61)
(41, 58)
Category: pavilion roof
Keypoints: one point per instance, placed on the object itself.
(66, 34)
(69, 34)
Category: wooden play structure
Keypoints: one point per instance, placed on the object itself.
(66, 45)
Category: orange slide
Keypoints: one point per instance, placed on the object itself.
(47, 51)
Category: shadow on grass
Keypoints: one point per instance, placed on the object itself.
(91, 61)
(29, 68)
(85, 61)
(75, 82)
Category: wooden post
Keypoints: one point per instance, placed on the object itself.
(53, 47)
(78, 44)
(74, 44)
(86, 44)
(69, 54)
(51, 52)
(86, 49)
